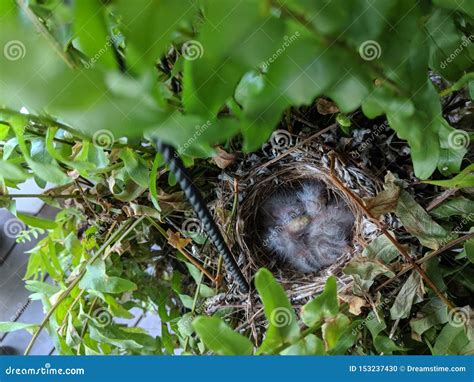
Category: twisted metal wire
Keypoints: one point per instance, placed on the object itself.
(196, 200)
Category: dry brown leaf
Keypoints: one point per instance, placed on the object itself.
(223, 159)
(355, 303)
(385, 201)
(171, 202)
(177, 241)
(325, 107)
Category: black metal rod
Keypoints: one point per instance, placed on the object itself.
(196, 200)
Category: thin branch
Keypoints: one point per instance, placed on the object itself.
(427, 257)
(184, 252)
(104, 249)
(394, 241)
(65, 196)
(298, 145)
(46, 33)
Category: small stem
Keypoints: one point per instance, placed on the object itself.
(457, 85)
(183, 251)
(104, 249)
(47, 122)
(389, 236)
(45, 32)
(427, 257)
(304, 333)
(65, 196)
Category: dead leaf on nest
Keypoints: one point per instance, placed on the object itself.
(176, 241)
(171, 202)
(385, 201)
(325, 107)
(355, 303)
(223, 159)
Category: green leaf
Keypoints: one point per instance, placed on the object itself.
(47, 171)
(382, 249)
(385, 345)
(333, 328)
(149, 27)
(406, 297)
(451, 340)
(347, 338)
(419, 223)
(433, 313)
(309, 345)
(184, 325)
(41, 287)
(90, 27)
(13, 172)
(364, 271)
(96, 279)
(469, 249)
(4, 131)
(464, 6)
(323, 307)
(220, 338)
(6, 327)
(224, 53)
(446, 38)
(464, 179)
(459, 206)
(375, 323)
(35, 221)
(283, 327)
(136, 167)
(153, 178)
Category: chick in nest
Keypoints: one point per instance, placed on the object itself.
(305, 228)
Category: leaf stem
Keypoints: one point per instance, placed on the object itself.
(104, 249)
(389, 236)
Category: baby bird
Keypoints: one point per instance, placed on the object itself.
(304, 228)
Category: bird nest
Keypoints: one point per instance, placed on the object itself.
(256, 178)
(301, 163)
